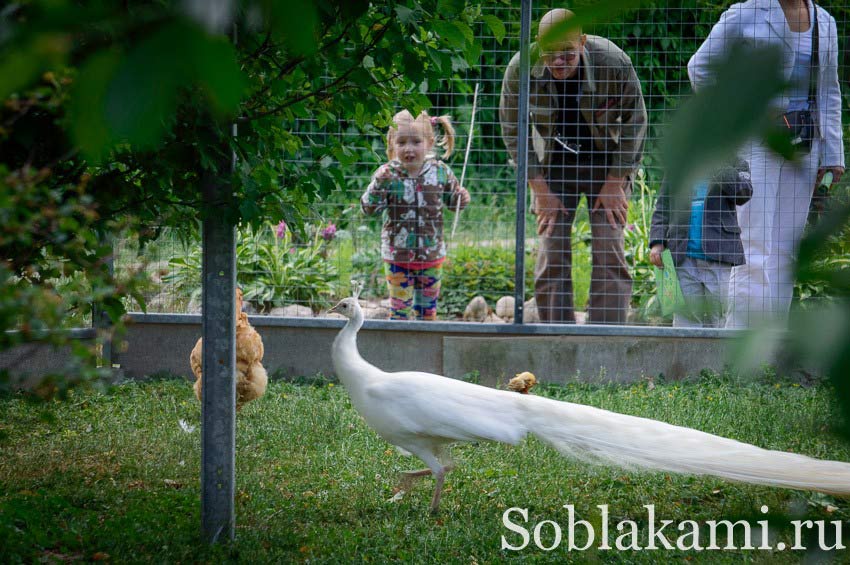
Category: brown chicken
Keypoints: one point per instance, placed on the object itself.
(251, 377)
(522, 383)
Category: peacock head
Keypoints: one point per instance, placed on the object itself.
(348, 307)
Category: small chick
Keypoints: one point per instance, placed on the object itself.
(522, 383)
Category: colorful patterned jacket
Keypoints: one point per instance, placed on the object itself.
(413, 223)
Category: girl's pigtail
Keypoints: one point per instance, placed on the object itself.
(390, 145)
(447, 140)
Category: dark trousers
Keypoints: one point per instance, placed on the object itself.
(610, 283)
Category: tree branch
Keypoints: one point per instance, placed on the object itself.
(264, 44)
(290, 66)
(325, 91)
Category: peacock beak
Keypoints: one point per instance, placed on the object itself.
(335, 309)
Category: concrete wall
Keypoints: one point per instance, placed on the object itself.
(302, 347)
(161, 343)
(289, 350)
(29, 362)
(589, 358)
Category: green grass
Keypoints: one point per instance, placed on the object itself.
(115, 474)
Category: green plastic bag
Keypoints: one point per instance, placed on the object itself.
(669, 292)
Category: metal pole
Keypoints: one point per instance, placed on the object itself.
(218, 398)
(522, 158)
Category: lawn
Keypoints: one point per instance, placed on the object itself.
(115, 476)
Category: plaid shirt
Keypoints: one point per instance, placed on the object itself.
(413, 224)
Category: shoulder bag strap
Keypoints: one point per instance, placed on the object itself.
(813, 67)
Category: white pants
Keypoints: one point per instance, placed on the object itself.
(772, 224)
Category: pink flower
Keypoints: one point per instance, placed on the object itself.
(329, 232)
(281, 230)
(631, 227)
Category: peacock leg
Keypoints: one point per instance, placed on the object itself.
(409, 477)
(445, 464)
(429, 456)
(440, 475)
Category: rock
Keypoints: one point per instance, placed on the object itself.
(493, 319)
(333, 315)
(505, 308)
(292, 311)
(376, 313)
(529, 312)
(476, 310)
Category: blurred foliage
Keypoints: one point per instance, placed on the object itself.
(113, 112)
(55, 237)
(821, 334)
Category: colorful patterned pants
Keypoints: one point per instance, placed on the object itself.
(413, 292)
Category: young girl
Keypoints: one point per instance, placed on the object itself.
(413, 188)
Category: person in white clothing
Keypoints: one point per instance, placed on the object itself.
(772, 222)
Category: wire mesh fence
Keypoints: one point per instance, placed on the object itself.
(598, 107)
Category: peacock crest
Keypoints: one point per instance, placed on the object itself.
(356, 288)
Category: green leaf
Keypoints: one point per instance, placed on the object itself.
(413, 67)
(473, 54)
(295, 22)
(830, 225)
(468, 34)
(459, 64)
(142, 94)
(89, 127)
(345, 157)
(449, 33)
(18, 69)
(450, 7)
(359, 115)
(22, 65)
(496, 27)
(214, 65)
(405, 14)
(133, 98)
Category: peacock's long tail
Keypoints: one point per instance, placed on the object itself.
(601, 436)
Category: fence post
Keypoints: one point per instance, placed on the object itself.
(100, 320)
(218, 400)
(522, 159)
